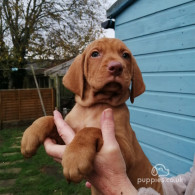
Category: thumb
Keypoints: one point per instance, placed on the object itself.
(107, 127)
(64, 130)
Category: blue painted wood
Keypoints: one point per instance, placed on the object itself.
(177, 17)
(164, 41)
(178, 145)
(168, 102)
(177, 165)
(143, 8)
(162, 121)
(170, 82)
(182, 60)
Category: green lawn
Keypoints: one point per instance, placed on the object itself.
(39, 175)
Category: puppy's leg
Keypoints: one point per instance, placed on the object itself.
(79, 155)
(35, 135)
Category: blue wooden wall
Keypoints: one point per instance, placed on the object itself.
(161, 36)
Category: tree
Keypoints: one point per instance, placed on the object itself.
(3, 53)
(79, 25)
(48, 29)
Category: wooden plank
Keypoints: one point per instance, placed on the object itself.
(10, 116)
(165, 41)
(178, 145)
(19, 105)
(143, 8)
(28, 105)
(10, 96)
(52, 100)
(177, 82)
(165, 122)
(168, 102)
(176, 165)
(182, 60)
(168, 19)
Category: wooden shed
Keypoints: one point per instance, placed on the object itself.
(161, 36)
(64, 98)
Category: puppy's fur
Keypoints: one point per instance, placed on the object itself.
(100, 77)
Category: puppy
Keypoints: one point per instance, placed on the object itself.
(104, 76)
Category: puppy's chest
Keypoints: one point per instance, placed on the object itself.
(79, 119)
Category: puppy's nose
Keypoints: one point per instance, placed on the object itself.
(115, 68)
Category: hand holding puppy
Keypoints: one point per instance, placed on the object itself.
(109, 166)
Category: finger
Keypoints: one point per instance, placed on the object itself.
(64, 130)
(107, 127)
(88, 185)
(58, 160)
(54, 150)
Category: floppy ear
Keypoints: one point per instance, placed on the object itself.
(137, 83)
(74, 78)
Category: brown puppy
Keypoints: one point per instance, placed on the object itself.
(100, 77)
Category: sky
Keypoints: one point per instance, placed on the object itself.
(110, 33)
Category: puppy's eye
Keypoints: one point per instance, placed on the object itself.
(126, 55)
(95, 54)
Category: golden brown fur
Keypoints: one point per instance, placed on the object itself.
(100, 77)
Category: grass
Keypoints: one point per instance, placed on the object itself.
(39, 175)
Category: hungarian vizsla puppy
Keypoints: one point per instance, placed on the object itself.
(100, 77)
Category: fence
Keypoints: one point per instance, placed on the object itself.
(24, 104)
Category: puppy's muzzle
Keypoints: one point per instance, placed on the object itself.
(115, 68)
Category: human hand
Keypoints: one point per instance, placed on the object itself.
(110, 153)
(66, 133)
(109, 175)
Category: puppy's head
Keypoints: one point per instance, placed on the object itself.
(103, 74)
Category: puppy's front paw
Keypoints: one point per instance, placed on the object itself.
(77, 162)
(29, 144)
(79, 155)
(36, 134)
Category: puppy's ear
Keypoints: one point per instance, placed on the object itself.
(137, 83)
(74, 78)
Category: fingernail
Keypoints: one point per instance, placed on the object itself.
(108, 113)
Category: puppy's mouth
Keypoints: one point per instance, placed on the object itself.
(110, 89)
